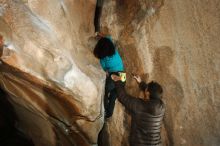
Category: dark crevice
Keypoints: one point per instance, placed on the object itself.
(98, 13)
(103, 137)
(9, 135)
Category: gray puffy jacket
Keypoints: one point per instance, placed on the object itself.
(146, 117)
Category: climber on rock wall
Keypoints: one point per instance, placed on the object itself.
(98, 12)
(146, 114)
(111, 63)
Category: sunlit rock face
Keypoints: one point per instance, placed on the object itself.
(56, 85)
(47, 67)
(177, 42)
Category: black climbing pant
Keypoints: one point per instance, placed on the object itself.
(110, 96)
(98, 13)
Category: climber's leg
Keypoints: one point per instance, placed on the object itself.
(109, 86)
(98, 12)
(111, 103)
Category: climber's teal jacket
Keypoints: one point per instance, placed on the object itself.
(112, 63)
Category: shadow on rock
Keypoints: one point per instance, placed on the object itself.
(103, 138)
(9, 135)
(173, 92)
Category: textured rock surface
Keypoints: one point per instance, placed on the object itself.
(53, 79)
(178, 44)
(56, 85)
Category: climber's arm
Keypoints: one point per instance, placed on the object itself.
(101, 35)
(102, 62)
(130, 102)
(142, 84)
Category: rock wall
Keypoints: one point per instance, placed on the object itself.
(49, 72)
(177, 42)
(56, 84)
(186, 61)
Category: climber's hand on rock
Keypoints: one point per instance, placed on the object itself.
(137, 78)
(99, 35)
(116, 78)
